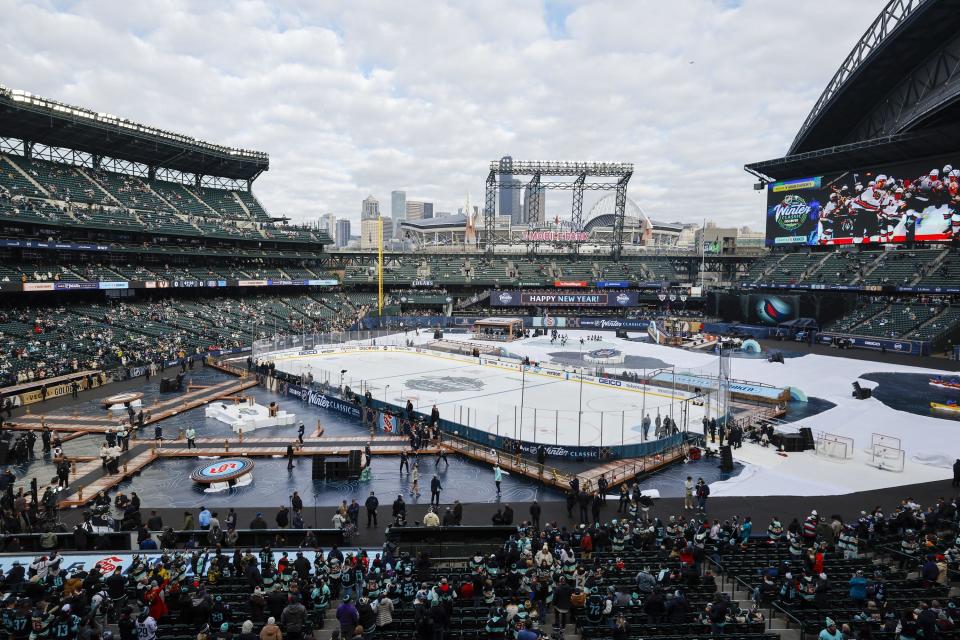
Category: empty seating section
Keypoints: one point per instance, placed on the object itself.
(758, 268)
(131, 191)
(181, 198)
(790, 270)
(940, 326)
(254, 206)
(901, 319)
(947, 273)
(63, 182)
(223, 203)
(841, 267)
(900, 268)
(15, 183)
(848, 323)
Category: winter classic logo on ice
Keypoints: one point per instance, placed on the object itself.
(792, 212)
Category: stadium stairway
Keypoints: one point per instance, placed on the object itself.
(814, 268)
(941, 314)
(867, 320)
(873, 266)
(99, 187)
(776, 622)
(27, 176)
(931, 267)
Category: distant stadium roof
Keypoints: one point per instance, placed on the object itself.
(675, 226)
(453, 220)
(602, 214)
(28, 117)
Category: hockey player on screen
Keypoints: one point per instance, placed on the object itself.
(829, 217)
(865, 210)
(953, 208)
(891, 213)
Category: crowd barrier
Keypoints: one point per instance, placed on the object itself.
(910, 347)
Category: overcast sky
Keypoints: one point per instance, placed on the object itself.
(355, 98)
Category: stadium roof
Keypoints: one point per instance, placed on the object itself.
(453, 220)
(869, 153)
(904, 34)
(27, 117)
(896, 97)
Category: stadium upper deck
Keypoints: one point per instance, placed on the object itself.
(63, 166)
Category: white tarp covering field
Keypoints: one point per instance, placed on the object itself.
(928, 441)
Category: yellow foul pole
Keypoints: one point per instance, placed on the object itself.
(379, 266)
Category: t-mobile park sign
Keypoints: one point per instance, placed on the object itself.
(555, 236)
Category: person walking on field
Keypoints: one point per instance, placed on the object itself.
(435, 488)
(415, 489)
(497, 476)
(688, 493)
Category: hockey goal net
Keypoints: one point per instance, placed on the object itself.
(830, 445)
(885, 453)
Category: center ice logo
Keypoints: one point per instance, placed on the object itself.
(792, 212)
(443, 384)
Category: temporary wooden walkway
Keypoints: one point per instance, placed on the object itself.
(83, 425)
(145, 452)
(615, 471)
(87, 493)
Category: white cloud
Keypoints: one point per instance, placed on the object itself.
(352, 98)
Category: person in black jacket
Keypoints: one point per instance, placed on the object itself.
(535, 514)
(435, 488)
(956, 473)
(399, 510)
(371, 504)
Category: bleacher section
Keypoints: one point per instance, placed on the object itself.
(901, 319)
(83, 196)
(105, 334)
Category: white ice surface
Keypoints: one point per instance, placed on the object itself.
(927, 440)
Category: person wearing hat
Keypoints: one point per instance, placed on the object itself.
(258, 522)
(830, 632)
(347, 616)
(271, 631)
(224, 632)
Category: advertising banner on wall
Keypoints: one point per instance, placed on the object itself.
(528, 299)
(906, 202)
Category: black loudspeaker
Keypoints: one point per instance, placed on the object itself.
(337, 469)
(4, 451)
(807, 434)
(861, 393)
(318, 470)
(621, 334)
(726, 458)
(792, 442)
(354, 461)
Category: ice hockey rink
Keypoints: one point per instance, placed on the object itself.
(531, 405)
(489, 398)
